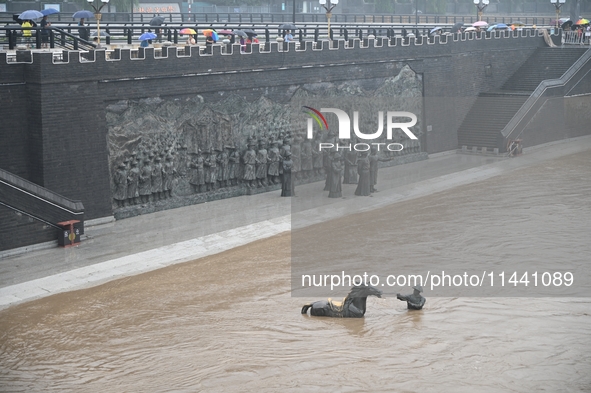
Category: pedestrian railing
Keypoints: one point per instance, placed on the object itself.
(548, 88)
(576, 38)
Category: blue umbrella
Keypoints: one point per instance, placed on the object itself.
(501, 26)
(30, 14)
(83, 14)
(49, 11)
(147, 36)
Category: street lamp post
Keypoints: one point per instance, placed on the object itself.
(97, 16)
(328, 6)
(557, 4)
(480, 5)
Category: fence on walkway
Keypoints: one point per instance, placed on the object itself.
(576, 37)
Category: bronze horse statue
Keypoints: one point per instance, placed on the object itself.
(352, 306)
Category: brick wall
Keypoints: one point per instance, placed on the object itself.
(55, 121)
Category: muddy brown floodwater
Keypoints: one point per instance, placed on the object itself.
(228, 323)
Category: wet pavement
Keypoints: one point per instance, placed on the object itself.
(144, 243)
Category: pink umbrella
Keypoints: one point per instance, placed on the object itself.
(480, 23)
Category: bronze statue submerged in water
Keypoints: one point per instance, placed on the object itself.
(352, 306)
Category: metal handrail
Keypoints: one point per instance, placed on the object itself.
(523, 114)
(19, 211)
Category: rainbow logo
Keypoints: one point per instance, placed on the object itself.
(316, 115)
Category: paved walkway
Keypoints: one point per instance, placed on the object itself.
(144, 243)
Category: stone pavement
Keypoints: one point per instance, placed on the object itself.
(144, 243)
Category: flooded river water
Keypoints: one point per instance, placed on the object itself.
(228, 323)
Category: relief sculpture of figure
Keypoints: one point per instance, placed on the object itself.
(197, 180)
(132, 183)
(224, 166)
(157, 179)
(182, 163)
(233, 166)
(286, 147)
(250, 159)
(307, 159)
(145, 181)
(211, 164)
(120, 180)
(296, 156)
(287, 181)
(330, 138)
(364, 184)
(350, 167)
(261, 163)
(335, 178)
(168, 174)
(274, 162)
(415, 301)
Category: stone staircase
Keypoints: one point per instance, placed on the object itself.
(492, 111)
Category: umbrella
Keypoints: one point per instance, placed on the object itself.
(566, 24)
(500, 26)
(288, 26)
(435, 30)
(147, 36)
(250, 32)
(208, 32)
(49, 11)
(187, 30)
(103, 34)
(226, 32)
(83, 14)
(157, 21)
(240, 33)
(455, 28)
(30, 14)
(480, 23)
(518, 23)
(470, 29)
(580, 22)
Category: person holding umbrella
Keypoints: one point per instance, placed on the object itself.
(45, 32)
(83, 30)
(146, 39)
(27, 24)
(157, 21)
(288, 37)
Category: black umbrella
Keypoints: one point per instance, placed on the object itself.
(240, 33)
(157, 21)
(288, 26)
(457, 27)
(250, 32)
(568, 23)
